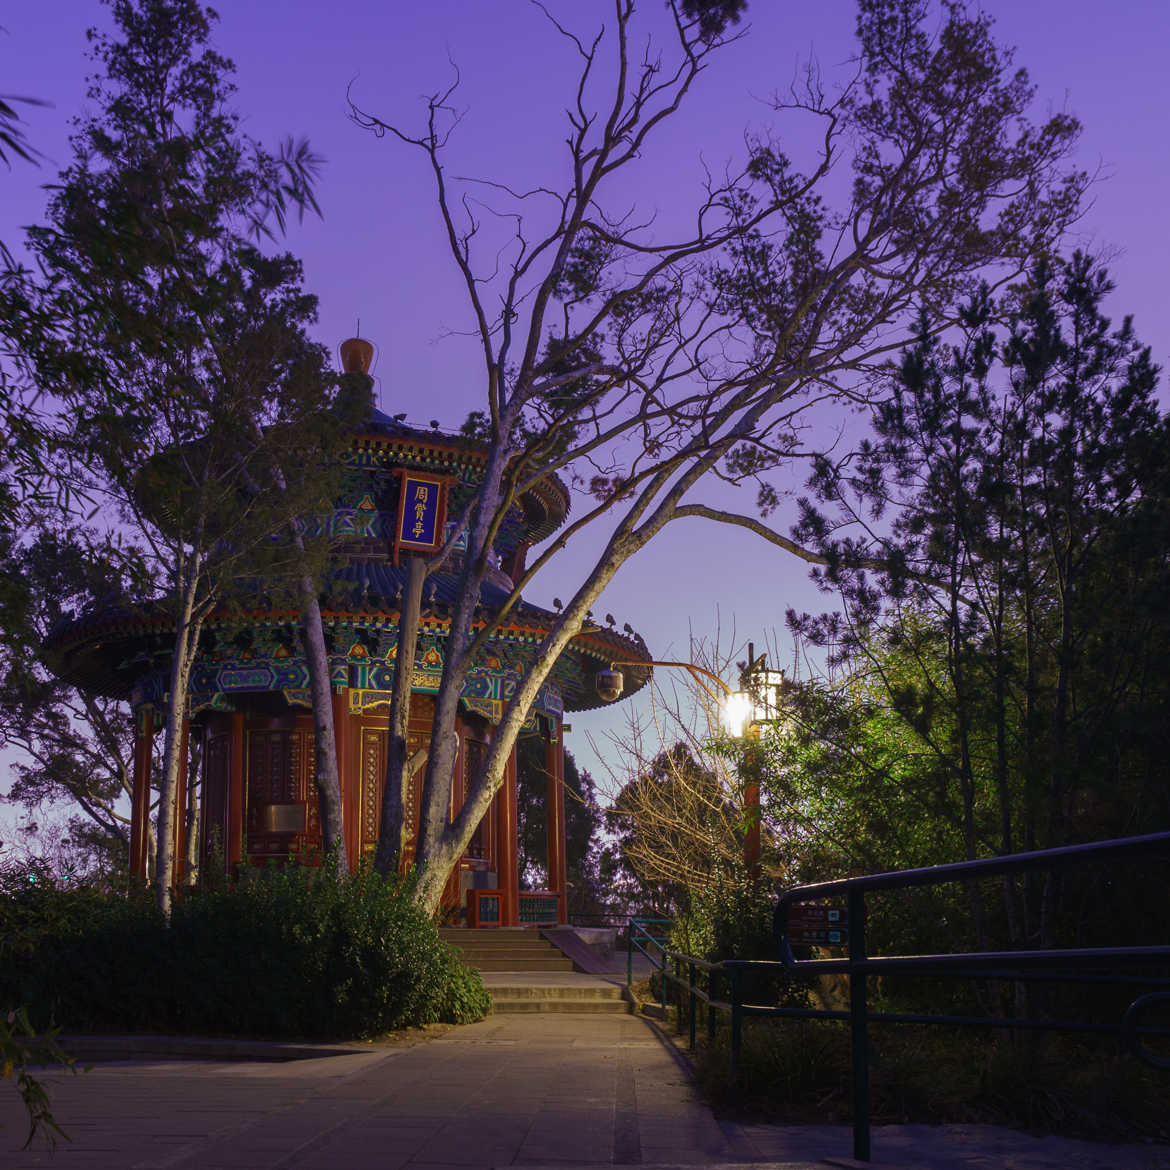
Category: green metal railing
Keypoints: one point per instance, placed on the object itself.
(1057, 965)
(644, 933)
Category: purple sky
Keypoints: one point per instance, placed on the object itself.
(379, 253)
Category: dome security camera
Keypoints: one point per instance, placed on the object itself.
(609, 684)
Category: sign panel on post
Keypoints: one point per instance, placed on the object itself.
(825, 926)
(422, 512)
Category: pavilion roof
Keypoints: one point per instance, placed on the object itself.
(106, 648)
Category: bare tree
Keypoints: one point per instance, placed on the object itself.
(675, 806)
(638, 365)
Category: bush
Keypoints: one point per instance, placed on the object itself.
(798, 1072)
(732, 919)
(298, 952)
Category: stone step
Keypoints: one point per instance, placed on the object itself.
(498, 935)
(509, 948)
(510, 998)
(522, 963)
(553, 991)
(492, 931)
(507, 1006)
(488, 943)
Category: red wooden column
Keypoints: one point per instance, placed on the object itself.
(508, 846)
(181, 808)
(140, 794)
(234, 846)
(554, 747)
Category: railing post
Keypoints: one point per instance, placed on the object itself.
(858, 1026)
(662, 976)
(736, 1032)
(630, 953)
(710, 1009)
(678, 976)
(691, 1012)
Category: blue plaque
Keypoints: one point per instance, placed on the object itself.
(421, 512)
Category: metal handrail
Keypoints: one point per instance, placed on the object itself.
(636, 933)
(930, 875)
(1056, 965)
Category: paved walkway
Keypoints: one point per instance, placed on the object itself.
(561, 1091)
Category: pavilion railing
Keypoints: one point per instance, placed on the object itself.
(539, 907)
(720, 985)
(485, 908)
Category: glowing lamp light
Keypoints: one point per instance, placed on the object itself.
(739, 710)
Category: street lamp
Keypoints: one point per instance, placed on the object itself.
(737, 713)
(756, 702)
(748, 709)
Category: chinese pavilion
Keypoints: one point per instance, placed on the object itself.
(249, 706)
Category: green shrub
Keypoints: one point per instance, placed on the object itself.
(295, 952)
(732, 919)
(798, 1072)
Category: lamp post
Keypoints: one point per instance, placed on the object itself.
(745, 710)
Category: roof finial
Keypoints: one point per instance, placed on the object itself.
(357, 354)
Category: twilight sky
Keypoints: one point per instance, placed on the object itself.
(379, 254)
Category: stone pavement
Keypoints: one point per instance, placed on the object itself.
(554, 1091)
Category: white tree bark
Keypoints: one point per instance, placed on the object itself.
(188, 624)
(394, 829)
(326, 774)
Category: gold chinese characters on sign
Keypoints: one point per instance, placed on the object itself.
(422, 512)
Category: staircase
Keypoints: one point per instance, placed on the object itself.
(524, 972)
(506, 950)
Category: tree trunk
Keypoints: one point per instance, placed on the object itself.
(151, 852)
(441, 843)
(193, 811)
(326, 775)
(327, 779)
(444, 851)
(435, 803)
(393, 832)
(187, 629)
(957, 652)
(432, 876)
(1057, 765)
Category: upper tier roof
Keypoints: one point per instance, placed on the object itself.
(109, 647)
(545, 504)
